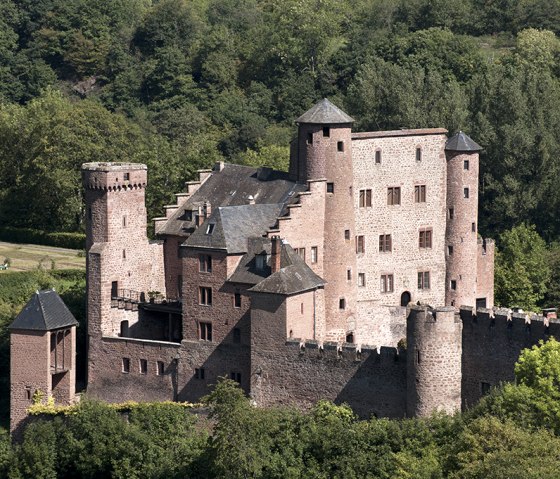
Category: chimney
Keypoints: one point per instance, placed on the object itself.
(207, 210)
(251, 199)
(219, 166)
(199, 217)
(276, 254)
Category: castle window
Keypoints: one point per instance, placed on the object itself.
(260, 261)
(420, 194)
(418, 154)
(160, 371)
(473, 227)
(124, 221)
(28, 393)
(423, 280)
(326, 131)
(449, 250)
(341, 303)
(235, 376)
(361, 279)
(143, 366)
(360, 244)
(349, 274)
(347, 235)
(378, 157)
(205, 296)
(387, 283)
(205, 263)
(310, 138)
(365, 198)
(236, 335)
(340, 146)
(301, 308)
(114, 289)
(466, 165)
(126, 176)
(124, 254)
(237, 299)
(451, 213)
(199, 373)
(466, 192)
(313, 254)
(484, 388)
(205, 331)
(417, 356)
(188, 215)
(124, 329)
(350, 338)
(301, 253)
(210, 228)
(425, 238)
(394, 196)
(330, 187)
(453, 284)
(385, 243)
(125, 365)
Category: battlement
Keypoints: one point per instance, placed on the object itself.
(427, 314)
(345, 351)
(114, 176)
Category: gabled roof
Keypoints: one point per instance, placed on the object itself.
(293, 277)
(232, 186)
(229, 227)
(45, 311)
(462, 142)
(325, 113)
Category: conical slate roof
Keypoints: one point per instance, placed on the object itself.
(45, 311)
(325, 113)
(462, 142)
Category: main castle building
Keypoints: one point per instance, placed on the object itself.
(299, 285)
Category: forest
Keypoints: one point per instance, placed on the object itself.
(180, 84)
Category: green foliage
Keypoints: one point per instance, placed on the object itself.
(33, 236)
(522, 270)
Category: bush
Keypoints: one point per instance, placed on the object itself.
(32, 236)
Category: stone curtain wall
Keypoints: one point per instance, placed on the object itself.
(485, 271)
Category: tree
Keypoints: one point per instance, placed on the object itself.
(522, 270)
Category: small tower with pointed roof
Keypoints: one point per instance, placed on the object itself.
(462, 220)
(324, 153)
(42, 355)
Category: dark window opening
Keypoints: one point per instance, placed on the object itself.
(127, 177)
(349, 274)
(418, 356)
(350, 338)
(405, 298)
(210, 228)
(310, 138)
(473, 227)
(330, 187)
(418, 154)
(160, 368)
(347, 235)
(484, 388)
(114, 289)
(360, 244)
(453, 284)
(466, 192)
(143, 366)
(235, 377)
(125, 365)
(466, 164)
(124, 254)
(480, 303)
(340, 146)
(341, 303)
(326, 131)
(188, 215)
(236, 335)
(124, 221)
(425, 238)
(378, 156)
(28, 393)
(423, 280)
(124, 329)
(205, 263)
(237, 299)
(205, 296)
(451, 213)
(450, 250)
(394, 196)
(199, 373)
(205, 331)
(385, 243)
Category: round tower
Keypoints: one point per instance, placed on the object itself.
(434, 350)
(462, 215)
(325, 152)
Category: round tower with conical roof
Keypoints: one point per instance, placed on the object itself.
(462, 220)
(325, 153)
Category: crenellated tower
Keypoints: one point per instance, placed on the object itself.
(461, 237)
(324, 152)
(434, 361)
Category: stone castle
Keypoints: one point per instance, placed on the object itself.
(299, 285)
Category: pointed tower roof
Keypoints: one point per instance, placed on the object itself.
(45, 311)
(462, 142)
(325, 113)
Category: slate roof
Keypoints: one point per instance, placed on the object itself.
(45, 311)
(462, 142)
(293, 277)
(324, 112)
(230, 227)
(232, 187)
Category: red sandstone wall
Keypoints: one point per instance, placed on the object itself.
(485, 272)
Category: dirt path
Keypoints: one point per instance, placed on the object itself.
(25, 257)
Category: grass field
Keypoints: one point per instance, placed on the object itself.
(26, 257)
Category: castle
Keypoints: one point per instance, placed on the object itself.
(300, 285)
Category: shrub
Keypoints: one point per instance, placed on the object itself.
(32, 236)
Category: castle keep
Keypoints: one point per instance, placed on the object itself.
(300, 285)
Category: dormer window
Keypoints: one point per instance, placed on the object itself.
(210, 228)
(188, 215)
(260, 261)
